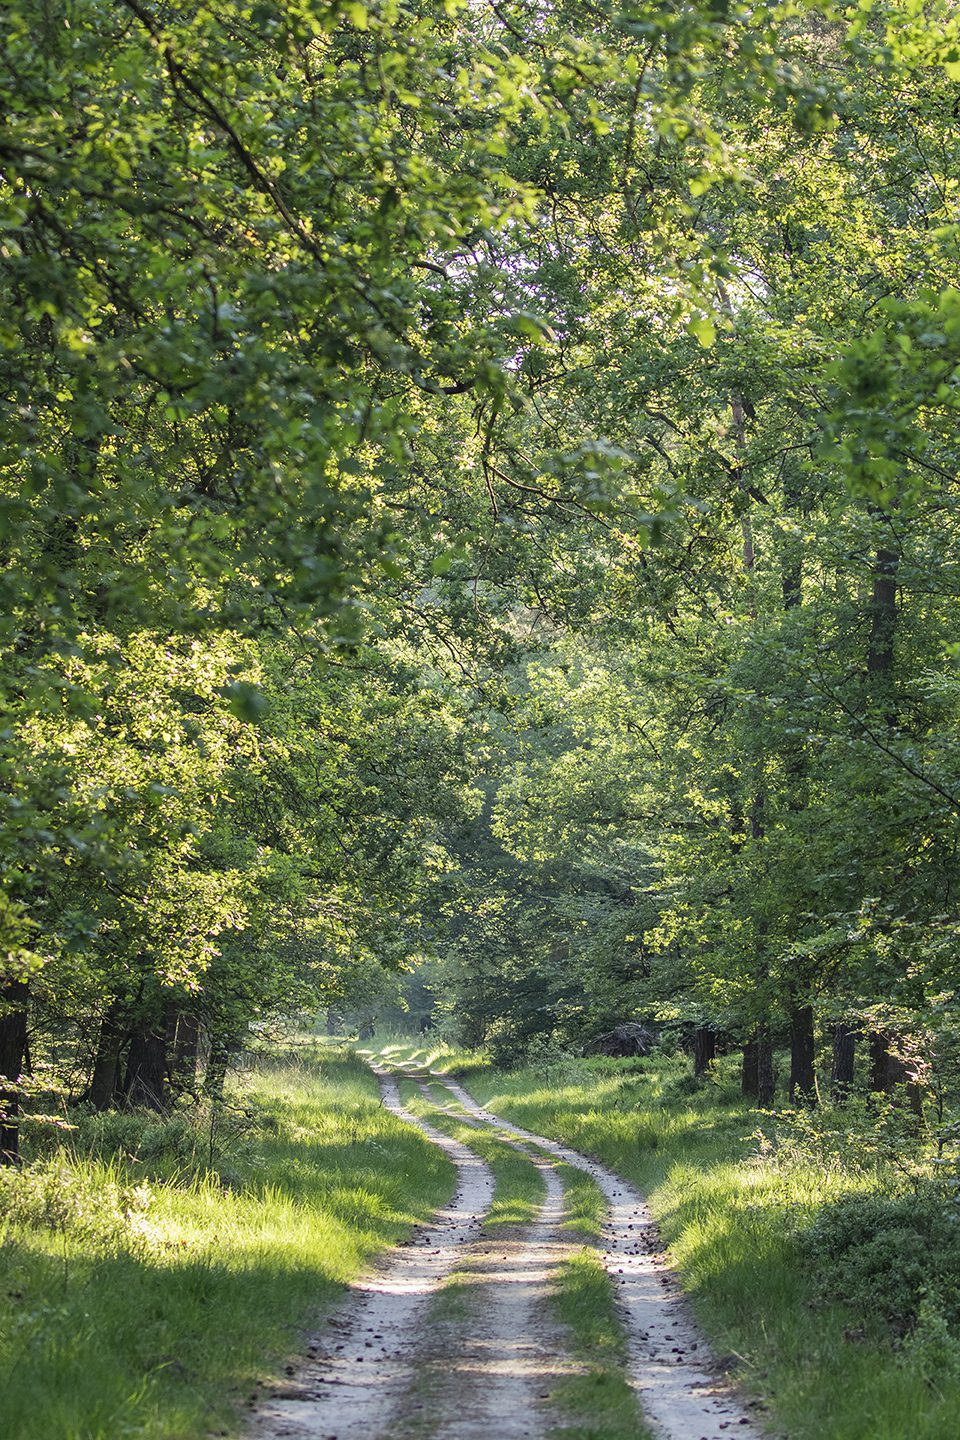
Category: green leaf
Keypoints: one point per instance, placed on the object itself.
(703, 329)
(247, 701)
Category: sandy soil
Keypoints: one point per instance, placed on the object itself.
(360, 1367)
(671, 1366)
(390, 1364)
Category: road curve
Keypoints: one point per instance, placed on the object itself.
(671, 1366)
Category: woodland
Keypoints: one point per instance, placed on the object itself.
(478, 489)
(480, 541)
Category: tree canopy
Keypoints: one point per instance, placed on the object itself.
(478, 487)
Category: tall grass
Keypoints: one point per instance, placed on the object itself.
(737, 1223)
(148, 1294)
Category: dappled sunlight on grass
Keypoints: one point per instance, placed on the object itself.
(519, 1187)
(160, 1331)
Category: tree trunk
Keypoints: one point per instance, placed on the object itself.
(845, 1039)
(803, 1087)
(104, 1091)
(13, 1046)
(888, 1070)
(749, 1073)
(185, 1039)
(222, 1051)
(704, 1049)
(146, 1078)
(766, 1081)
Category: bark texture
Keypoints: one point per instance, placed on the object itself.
(145, 1083)
(845, 1037)
(185, 1043)
(104, 1091)
(889, 1069)
(704, 1049)
(13, 1048)
(803, 1086)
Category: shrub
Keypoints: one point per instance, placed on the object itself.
(92, 1205)
(896, 1257)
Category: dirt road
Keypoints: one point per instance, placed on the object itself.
(396, 1361)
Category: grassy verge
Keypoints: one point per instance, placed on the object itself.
(142, 1293)
(744, 1228)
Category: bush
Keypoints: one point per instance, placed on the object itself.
(145, 1137)
(92, 1206)
(896, 1257)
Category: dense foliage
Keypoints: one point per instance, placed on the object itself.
(477, 483)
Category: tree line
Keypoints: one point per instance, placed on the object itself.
(476, 484)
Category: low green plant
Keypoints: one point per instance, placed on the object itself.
(893, 1257)
(584, 1206)
(93, 1205)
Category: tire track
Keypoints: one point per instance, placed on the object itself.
(671, 1365)
(492, 1373)
(385, 1366)
(356, 1378)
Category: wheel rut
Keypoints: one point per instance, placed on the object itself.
(358, 1370)
(671, 1366)
(388, 1364)
(489, 1372)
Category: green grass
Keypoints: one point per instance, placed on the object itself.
(519, 1189)
(733, 1224)
(600, 1401)
(138, 1298)
(584, 1206)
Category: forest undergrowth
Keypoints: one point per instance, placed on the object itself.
(820, 1248)
(151, 1275)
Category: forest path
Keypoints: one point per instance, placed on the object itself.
(670, 1366)
(389, 1365)
(359, 1369)
(394, 1363)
